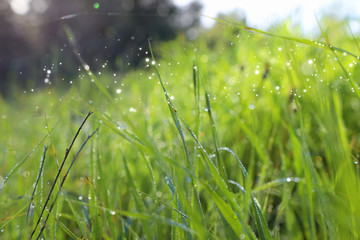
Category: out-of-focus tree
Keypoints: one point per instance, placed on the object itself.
(114, 32)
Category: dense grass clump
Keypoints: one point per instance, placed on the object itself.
(238, 134)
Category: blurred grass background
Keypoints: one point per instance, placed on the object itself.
(287, 110)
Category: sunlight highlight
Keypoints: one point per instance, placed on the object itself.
(20, 7)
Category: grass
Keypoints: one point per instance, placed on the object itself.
(239, 134)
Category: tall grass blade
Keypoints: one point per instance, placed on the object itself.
(36, 183)
(21, 162)
(57, 176)
(180, 131)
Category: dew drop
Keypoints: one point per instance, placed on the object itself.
(132, 109)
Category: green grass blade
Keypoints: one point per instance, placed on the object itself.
(21, 162)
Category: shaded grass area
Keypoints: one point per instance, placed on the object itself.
(239, 134)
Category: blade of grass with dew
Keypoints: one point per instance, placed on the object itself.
(259, 218)
(262, 153)
(220, 161)
(261, 223)
(139, 216)
(216, 175)
(36, 183)
(96, 224)
(196, 83)
(165, 204)
(21, 162)
(276, 183)
(303, 157)
(58, 174)
(59, 223)
(79, 222)
(227, 212)
(139, 204)
(54, 153)
(102, 187)
(354, 85)
(197, 202)
(177, 203)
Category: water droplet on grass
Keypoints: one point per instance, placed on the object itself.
(118, 91)
(132, 109)
(251, 106)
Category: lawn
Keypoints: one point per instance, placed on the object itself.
(237, 134)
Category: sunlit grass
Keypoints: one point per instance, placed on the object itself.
(239, 134)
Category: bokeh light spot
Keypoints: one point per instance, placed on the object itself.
(96, 5)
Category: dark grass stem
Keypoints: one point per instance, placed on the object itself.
(63, 180)
(58, 175)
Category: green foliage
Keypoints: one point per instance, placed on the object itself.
(239, 134)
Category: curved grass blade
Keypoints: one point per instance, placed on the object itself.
(57, 176)
(180, 131)
(260, 221)
(226, 210)
(36, 183)
(81, 225)
(352, 82)
(139, 216)
(139, 204)
(64, 178)
(220, 161)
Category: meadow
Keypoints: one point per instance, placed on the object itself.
(237, 134)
